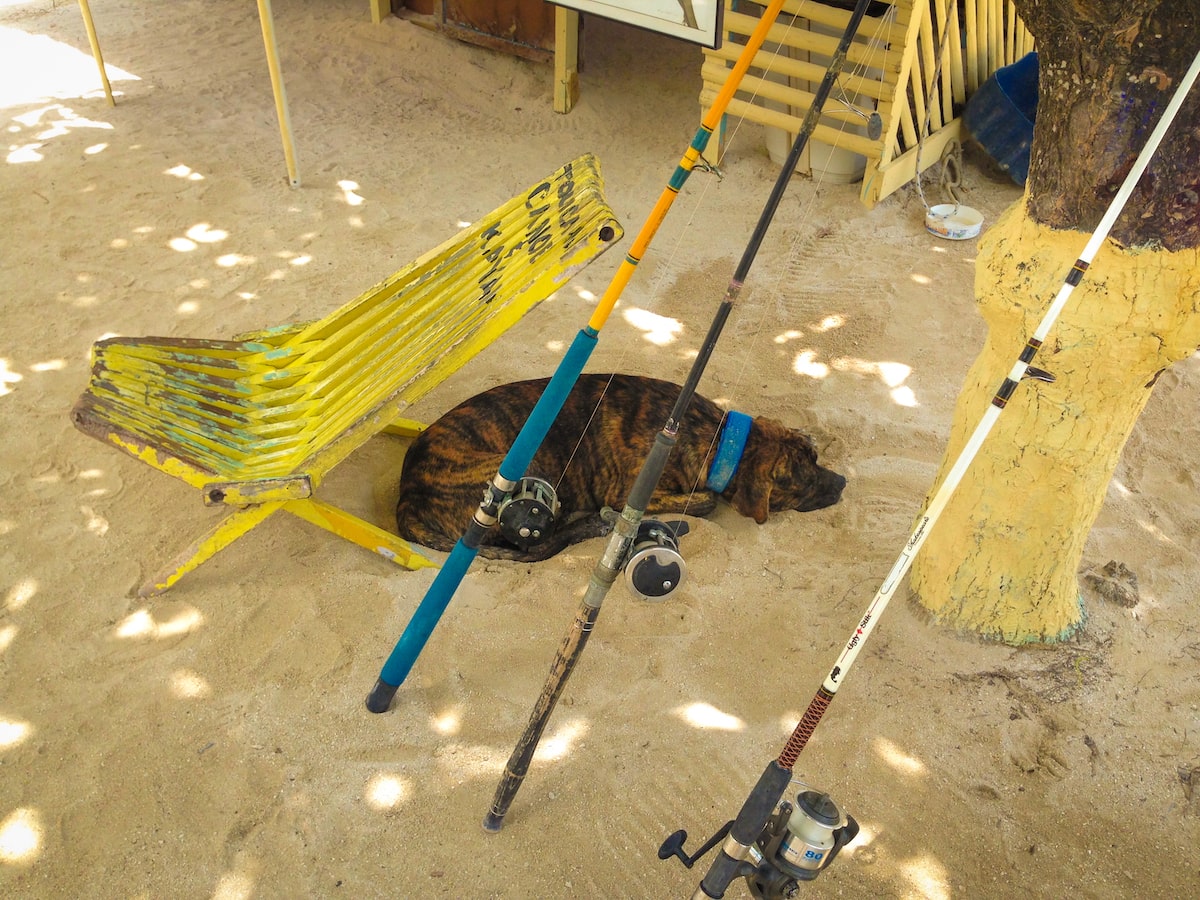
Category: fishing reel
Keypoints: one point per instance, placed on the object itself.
(798, 843)
(656, 567)
(527, 514)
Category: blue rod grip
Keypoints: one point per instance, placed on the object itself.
(549, 405)
(454, 569)
(425, 619)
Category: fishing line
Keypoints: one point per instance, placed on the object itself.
(627, 529)
(667, 268)
(512, 469)
(873, 45)
(743, 833)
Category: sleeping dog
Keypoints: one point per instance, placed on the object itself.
(592, 456)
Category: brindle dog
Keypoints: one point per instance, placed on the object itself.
(592, 456)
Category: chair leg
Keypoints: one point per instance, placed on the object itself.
(408, 428)
(362, 533)
(228, 530)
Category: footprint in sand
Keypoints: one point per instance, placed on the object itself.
(1034, 745)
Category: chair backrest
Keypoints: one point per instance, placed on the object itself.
(301, 398)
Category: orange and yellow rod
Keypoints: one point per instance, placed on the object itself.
(709, 124)
(439, 594)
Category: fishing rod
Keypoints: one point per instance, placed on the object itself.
(629, 525)
(761, 843)
(506, 495)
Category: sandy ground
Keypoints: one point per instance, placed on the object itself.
(213, 742)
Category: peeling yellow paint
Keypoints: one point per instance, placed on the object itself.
(1003, 558)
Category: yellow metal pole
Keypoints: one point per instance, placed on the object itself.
(566, 59)
(281, 108)
(97, 55)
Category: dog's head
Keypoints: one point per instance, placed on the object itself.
(779, 471)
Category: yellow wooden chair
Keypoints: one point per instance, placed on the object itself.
(256, 422)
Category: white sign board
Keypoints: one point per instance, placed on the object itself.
(698, 21)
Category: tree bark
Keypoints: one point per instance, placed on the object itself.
(1107, 68)
(1002, 560)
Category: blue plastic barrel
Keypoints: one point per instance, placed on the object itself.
(1000, 115)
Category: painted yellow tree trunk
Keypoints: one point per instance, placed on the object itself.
(1002, 559)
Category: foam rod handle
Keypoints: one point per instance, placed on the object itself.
(449, 577)
(751, 819)
(421, 626)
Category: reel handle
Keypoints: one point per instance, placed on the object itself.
(673, 845)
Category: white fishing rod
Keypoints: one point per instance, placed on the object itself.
(798, 848)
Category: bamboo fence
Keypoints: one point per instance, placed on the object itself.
(890, 70)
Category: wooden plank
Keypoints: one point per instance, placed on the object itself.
(883, 180)
(1010, 43)
(924, 90)
(995, 35)
(566, 59)
(858, 53)
(958, 87)
(875, 88)
(908, 126)
(838, 18)
(258, 490)
(358, 531)
(780, 93)
(945, 58)
(972, 47)
(938, 53)
(891, 108)
(752, 112)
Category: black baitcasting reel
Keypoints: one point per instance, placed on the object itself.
(527, 515)
(798, 843)
(656, 567)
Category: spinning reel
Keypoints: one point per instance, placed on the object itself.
(799, 842)
(527, 515)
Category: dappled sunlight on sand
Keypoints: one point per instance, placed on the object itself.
(188, 685)
(8, 376)
(658, 330)
(234, 886)
(707, 716)
(558, 744)
(20, 594)
(387, 791)
(142, 624)
(897, 759)
(13, 732)
(448, 723)
(21, 836)
(892, 374)
(35, 68)
(50, 121)
(928, 878)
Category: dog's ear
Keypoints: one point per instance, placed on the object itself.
(755, 478)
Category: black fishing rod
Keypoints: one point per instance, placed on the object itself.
(629, 523)
(763, 845)
(505, 494)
